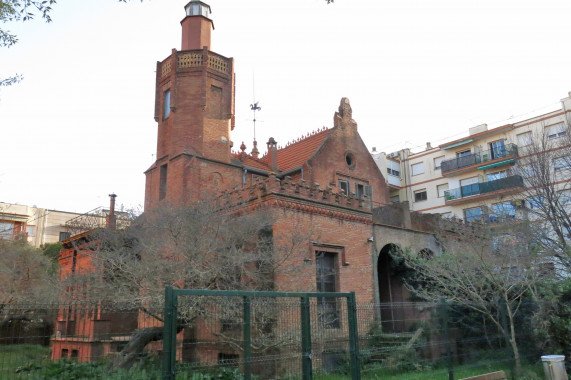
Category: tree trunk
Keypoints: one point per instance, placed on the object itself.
(513, 342)
(133, 350)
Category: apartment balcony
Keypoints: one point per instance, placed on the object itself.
(484, 190)
(499, 156)
(96, 218)
(394, 181)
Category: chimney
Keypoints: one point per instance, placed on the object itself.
(111, 218)
(255, 151)
(273, 153)
(478, 129)
(196, 26)
(428, 146)
(374, 149)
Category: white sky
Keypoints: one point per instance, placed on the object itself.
(80, 125)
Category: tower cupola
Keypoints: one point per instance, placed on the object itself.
(196, 26)
(197, 8)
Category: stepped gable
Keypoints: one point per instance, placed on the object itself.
(298, 152)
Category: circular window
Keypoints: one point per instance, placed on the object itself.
(350, 160)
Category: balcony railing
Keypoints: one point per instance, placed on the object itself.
(507, 150)
(484, 187)
(96, 218)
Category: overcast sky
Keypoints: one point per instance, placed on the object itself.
(80, 125)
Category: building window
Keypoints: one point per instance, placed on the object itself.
(163, 182)
(564, 197)
(325, 274)
(524, 139)
(420, 195)
(350, 160)
(534, 203)
(498, 149)
(527, 171)
(344, 186)
(31, 230)
(64, 235)
(441, 189)
(496, 175)
(166, 104)
(438, 162)
(6, 230)
(393, 172)
(473, 214)
(417, 168)
(362, 190)
(463, 153)
(561, 163)
(228, 359)
(470, 186)
(502, 211)
(394, 199)
(555, 131)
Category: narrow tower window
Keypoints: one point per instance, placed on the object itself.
(326, 282)
(166, 104)
(163, 183)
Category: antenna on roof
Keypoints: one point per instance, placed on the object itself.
(254, 107)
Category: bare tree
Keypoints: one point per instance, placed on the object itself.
(194, 247)
(545, 165)
(26, 278)
(24, 273)
(480, 269)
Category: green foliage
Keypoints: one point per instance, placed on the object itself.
(20, 10)
(13, 356)
(560, 324)
(71, 370)
(51, 250)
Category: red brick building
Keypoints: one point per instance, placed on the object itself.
(326, 180)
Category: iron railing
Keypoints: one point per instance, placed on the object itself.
(96, 218)
(507, 150)
(484, 187)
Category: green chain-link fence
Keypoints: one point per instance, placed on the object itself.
(235, 335)
(266, 334)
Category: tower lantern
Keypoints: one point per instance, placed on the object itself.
(197, 8)
(196, 26)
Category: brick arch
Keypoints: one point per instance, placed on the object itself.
(392, 291)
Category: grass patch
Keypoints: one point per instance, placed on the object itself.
(33, 362)
(17, 355)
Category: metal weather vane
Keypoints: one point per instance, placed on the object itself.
(254, 107)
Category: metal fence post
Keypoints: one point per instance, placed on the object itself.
(306, 339)
(504, 321)
(168, 354)
(353, 337)
(247, 339)
(444, 317)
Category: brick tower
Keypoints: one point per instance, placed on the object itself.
(194, 108)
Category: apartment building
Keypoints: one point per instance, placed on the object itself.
(39, 225)
(477, 177)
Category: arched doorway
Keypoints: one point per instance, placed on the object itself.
(393, 295)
